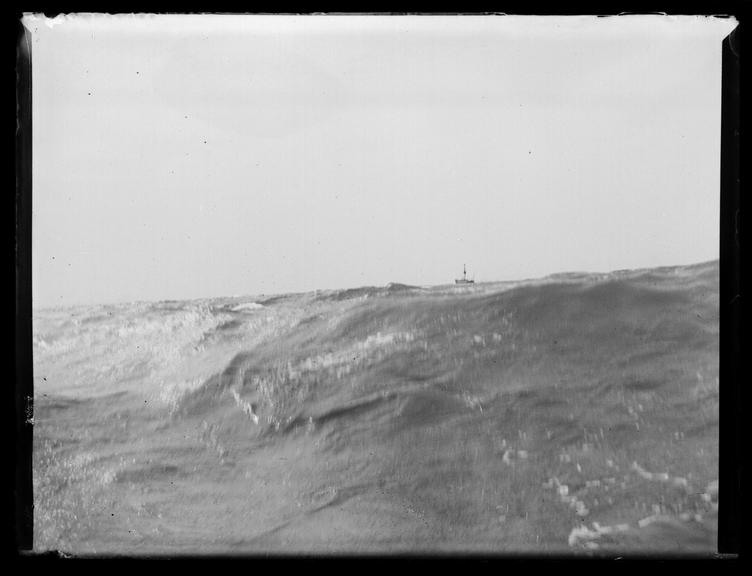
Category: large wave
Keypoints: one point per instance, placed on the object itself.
(575, 412)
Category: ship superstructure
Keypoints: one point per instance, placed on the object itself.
(464, 279)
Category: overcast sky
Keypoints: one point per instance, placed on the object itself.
(185, 157)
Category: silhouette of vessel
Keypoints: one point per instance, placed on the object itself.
(464, 279)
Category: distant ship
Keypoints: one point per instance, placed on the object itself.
(464, 279)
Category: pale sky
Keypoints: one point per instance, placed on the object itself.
(200, 156)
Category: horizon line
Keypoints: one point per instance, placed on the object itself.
(315, 290)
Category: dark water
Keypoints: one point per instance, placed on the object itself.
(576, 414)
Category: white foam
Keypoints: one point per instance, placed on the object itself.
(582, 532)
(648, 521)
(247, 306)
(507, 457)
(245, 406)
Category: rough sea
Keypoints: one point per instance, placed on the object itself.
(572, 414)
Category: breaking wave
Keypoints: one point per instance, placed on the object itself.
(577, 412)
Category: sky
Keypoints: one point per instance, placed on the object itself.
(181, 157)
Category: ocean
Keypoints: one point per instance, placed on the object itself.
(574, 414)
